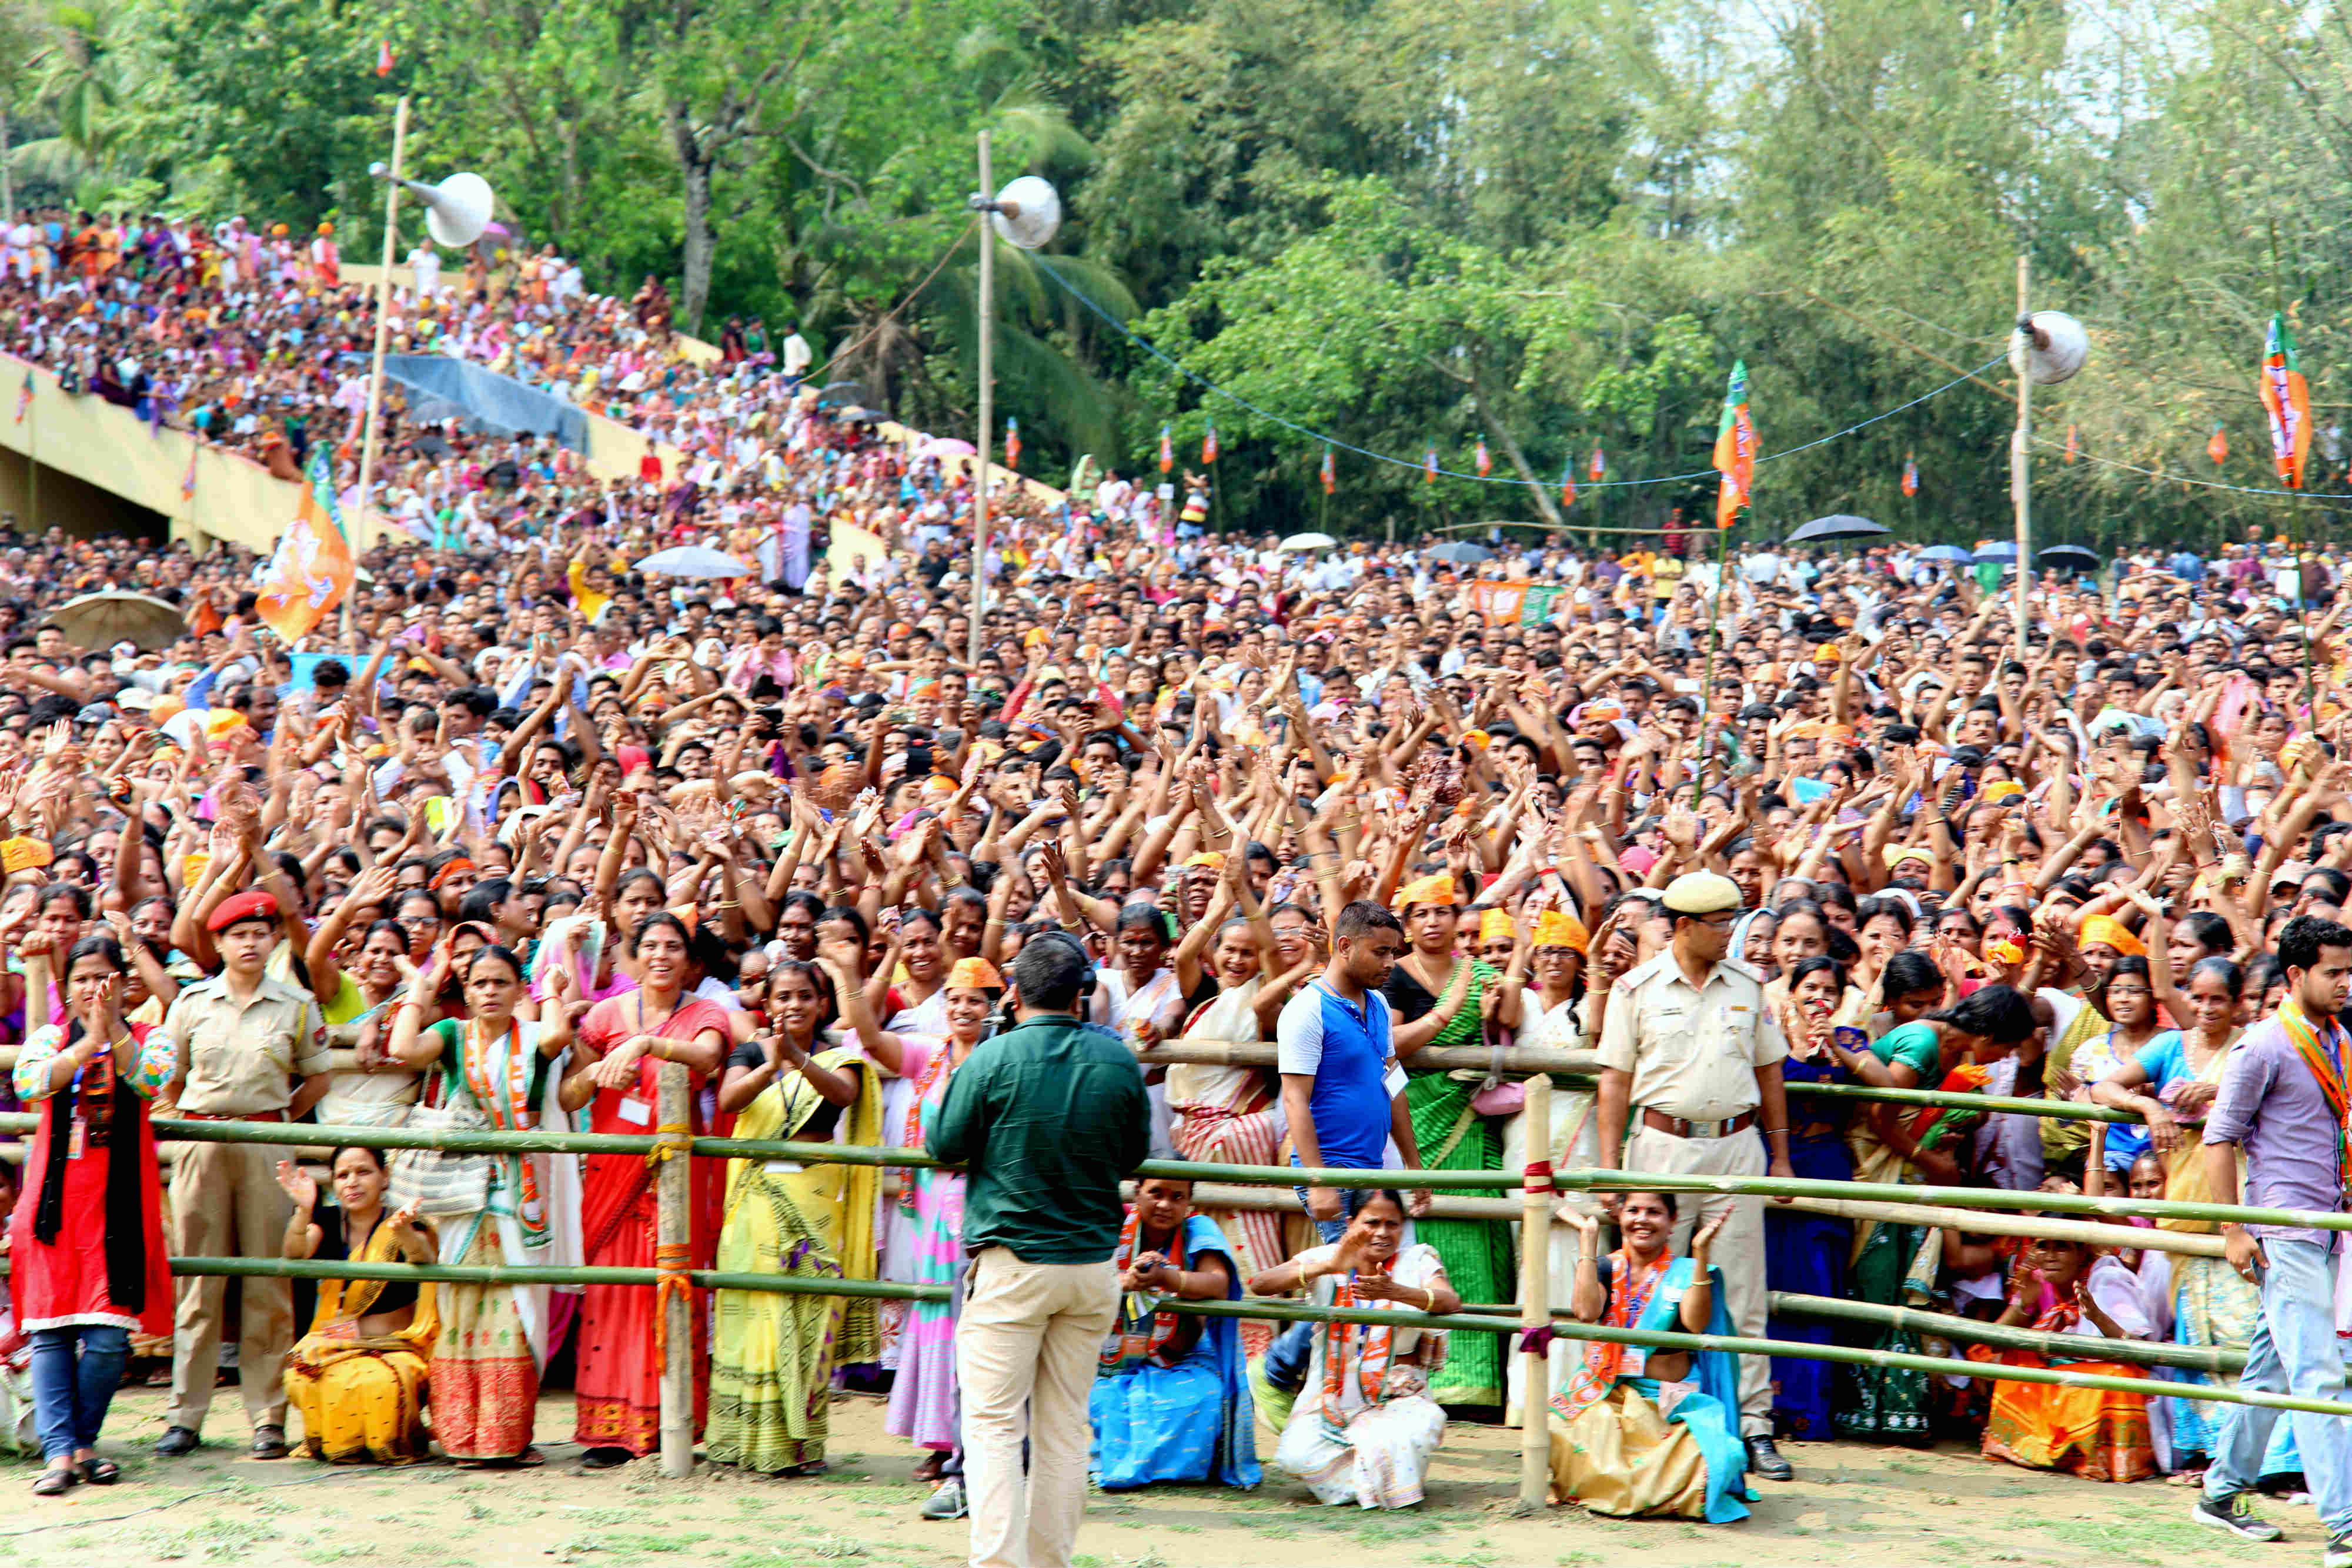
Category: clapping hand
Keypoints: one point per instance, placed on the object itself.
(299, 1185)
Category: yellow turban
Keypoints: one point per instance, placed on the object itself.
(1556, 928)
(1437, 889)
(2100, 930)
(974, 975)
(1494, 926)
(1209, 858)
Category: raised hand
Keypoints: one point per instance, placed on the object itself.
(298, 1184)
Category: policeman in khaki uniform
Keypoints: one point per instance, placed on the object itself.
(1690, 1071)
(243, 1041)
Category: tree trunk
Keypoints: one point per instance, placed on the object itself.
(1511, 449)
(7, 182)
(702, 243)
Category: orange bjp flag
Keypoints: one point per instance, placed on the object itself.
(312, 569)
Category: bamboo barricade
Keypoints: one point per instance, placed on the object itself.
(1535, 1304)
(2216, 1360)
(673, 1250)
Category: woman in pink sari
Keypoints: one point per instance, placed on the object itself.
(615, 1069)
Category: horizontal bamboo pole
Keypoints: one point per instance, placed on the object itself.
(544, 1274)
(1574, 1069)
(1732, 1344)
(1987, 1199)
(1983, 1223)
(2220, 1360)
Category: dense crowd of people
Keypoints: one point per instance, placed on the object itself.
(533, 824)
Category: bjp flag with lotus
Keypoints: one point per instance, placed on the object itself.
(313, 569)
(2286, 398)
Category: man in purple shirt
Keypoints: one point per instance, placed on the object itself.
(2283, 1103)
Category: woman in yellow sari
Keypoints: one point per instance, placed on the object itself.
(772, 1355)
(359, 1376)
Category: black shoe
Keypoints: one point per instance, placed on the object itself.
(605, 1457)
(177, 1443)
(269, 1443)
(1765, 1460)
(2234, 1513)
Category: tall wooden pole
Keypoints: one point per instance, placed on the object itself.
(368, 444)
(673, 1237)
(2020, 462)
(987, 395)
(1535, 1300)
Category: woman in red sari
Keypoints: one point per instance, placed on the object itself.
(615, 1069)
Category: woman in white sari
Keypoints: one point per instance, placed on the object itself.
(1365, 1428)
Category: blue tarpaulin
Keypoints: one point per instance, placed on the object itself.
(440, 389)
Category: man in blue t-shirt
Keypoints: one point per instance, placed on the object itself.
(1343, 1095)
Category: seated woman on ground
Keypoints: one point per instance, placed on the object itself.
(1364, 1428)
(1650, 1431)
(359, 1376)
(2063, 1287)
(1170, 1402)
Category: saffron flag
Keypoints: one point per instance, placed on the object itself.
(2217, 446)
(1910, 474)
(2288, 397)
(1429, 466)
(1735, 449)
(1012, 442)
(1167, 450)
(1330, 473)
(25, 397)
(188, 479)
(2072, 444)
(1567, 485)
(1209, 442)
(1485, 464)
(313, 569)
(1600, 469)
(383, 58)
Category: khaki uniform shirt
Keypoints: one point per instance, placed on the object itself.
(236, 1061)
(1693, 1053)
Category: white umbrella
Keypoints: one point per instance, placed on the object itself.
(694, 561)
(1308, 541)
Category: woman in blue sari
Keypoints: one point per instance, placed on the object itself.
(1649, 1431)
(1171, 1400)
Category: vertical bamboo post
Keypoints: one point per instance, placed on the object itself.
(2021, 460)
(673, 1235)
(984, 438)
(371, 432)
(1535, 1300)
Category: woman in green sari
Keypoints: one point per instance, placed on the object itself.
(1896, 1265)
(772, 1355)
(1435, 997)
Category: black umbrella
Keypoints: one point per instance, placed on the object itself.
(1459, 552)
(2074, 555)
(1838, 526)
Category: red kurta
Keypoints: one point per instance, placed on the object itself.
(618, 1381)
(63, 1283)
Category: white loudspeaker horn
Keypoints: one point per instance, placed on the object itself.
(2050, 346)
(457, 210)
(1028, 211)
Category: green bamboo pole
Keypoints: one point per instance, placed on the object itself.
(1732, 1344)
(2219, 1360)
(545, 1274)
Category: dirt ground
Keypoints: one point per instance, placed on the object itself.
(1850, 1505)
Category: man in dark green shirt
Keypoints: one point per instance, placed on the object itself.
(1047, 1118)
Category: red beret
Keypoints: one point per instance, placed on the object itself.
(255, 905)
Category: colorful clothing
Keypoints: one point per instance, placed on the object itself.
(619, 1377)
(1232, 1115)
(2100, 1435)
(1453, 1136)
(1889, 1404)
(1365, 1428)
(96, 1144)
(772, 1355)
(1171, 1402)
(1807, 1254)
(363, 1396)
(924, 1401)
(1632, 1445)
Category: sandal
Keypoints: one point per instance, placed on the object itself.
(56, 1482)
(100, 1472)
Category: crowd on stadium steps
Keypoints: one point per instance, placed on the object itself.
(532, 823)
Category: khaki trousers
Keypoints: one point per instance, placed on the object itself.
(1738, 1247)
(225, 1202)
(1030, 1334)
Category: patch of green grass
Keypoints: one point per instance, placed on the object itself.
(1475, 1558)
(1578, 1559)
(216, 1540)
(2147, 1538)
(1904, 1468)
(626, 1544)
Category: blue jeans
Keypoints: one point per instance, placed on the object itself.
(71, 1390)
(1285, 1359)
(2293, 1352)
